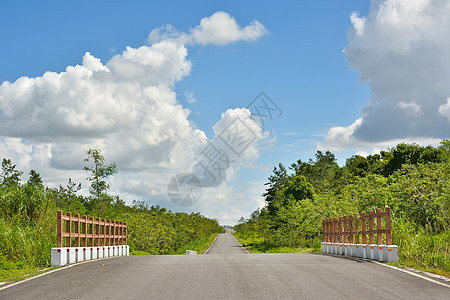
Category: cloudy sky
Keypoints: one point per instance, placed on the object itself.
(219, 93)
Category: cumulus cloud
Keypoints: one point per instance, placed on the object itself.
(401, 50)
(127, 107)
(219, 29)
(444, 109)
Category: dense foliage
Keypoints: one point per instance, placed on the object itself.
(28, 219)
(413, 180)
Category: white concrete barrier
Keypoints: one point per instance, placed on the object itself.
(68, 255)
(385, 253)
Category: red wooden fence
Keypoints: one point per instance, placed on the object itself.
(346, 229)
(82, 231)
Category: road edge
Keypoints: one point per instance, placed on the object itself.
(393, 267)
(206, 252)
(8, 285)
(248, 252)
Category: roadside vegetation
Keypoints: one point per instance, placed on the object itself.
(413, 180)
(28, 218)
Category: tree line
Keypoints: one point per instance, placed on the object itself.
(413, 180)
(28, 216)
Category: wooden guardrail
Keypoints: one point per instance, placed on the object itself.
(346, 229)
(82, 231)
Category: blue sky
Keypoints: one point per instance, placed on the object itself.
(370, 97)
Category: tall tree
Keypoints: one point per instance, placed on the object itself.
(10, 175)
(276, 182)
(35, 179)
(99, 173)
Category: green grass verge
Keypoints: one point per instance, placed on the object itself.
(20, 274)
(258, 245)
(200, 245)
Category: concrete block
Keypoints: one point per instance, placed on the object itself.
(100, 252)
(380, 251)
(334, 248)
(70, 252)
(373, 251)
(91, 252)
(341, 249)
(79, 254)
(346, 249)
(391, 253)
(365, 253)
(59, 258)
(350, 249)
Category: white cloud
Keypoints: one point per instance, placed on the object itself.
(444, 109)
(401, 50)
(127, 107)
(221, 29)
(358, 23)
(410, 107)
(190, 97)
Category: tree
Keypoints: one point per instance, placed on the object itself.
(99, 173)
(276, 182)
(10, 176)
(324, 173)
(35, 179)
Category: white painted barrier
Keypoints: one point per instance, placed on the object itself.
(384, 253)
(68, 255)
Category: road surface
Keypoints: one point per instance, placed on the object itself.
(227, 272)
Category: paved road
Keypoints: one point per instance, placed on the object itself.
(226, 244)
(226, 275)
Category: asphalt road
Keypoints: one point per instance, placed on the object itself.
(227, 272)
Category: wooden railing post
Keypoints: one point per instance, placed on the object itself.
(91, 232)
(103, 232)
(84, 231)
(345, 230)
(125, 234)
(363, 228)
(334, 237)
(324, 230)
(357, 228)
(59, 228)
(379, 229)
(371, 236)
(340, 229)
(77, 230)
(69, 230)
(350, 229)
(97, 231)
(388, 226)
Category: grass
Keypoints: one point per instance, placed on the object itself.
(20, 274)
(200, 245)
(429, 270)
(258, 245)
